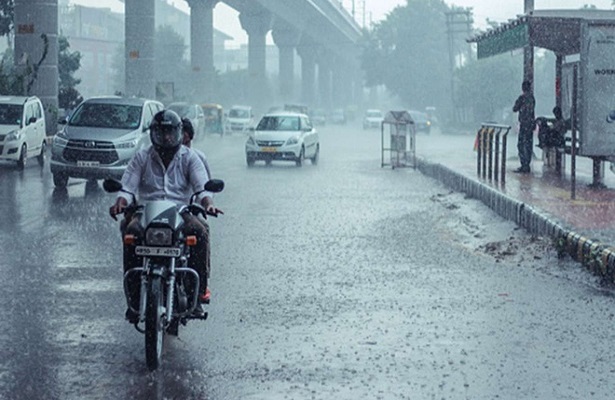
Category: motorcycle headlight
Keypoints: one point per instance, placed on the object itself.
(292, 140)
(13, 135)
(126, 145)
(159, 237)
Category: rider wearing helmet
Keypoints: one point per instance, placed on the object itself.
(166, 170)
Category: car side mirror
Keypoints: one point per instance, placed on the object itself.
(145, 128)
(31, 120)
(62, 121)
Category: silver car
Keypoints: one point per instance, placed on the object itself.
(100, 138)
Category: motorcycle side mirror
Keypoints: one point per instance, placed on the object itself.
(214, 185)
(112, 185)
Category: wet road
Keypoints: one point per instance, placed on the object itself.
(341, 280)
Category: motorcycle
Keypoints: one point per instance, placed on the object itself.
(168, 286)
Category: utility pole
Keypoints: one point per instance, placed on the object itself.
(457, 22)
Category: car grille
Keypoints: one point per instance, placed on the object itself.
(87, 150)
(270, 143)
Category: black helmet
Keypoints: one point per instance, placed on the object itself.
(188, 128)
(166, 131)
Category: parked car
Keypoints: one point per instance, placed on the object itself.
(373, 119)
(421, 121)
(22, 130)
(338, 116)
(100, 138)
(194, 112)
(239, 119)
(286, 136)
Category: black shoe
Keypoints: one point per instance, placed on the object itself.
(522, 170)
(131, 316)
(198, 311)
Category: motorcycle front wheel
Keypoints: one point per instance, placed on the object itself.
(154, 329)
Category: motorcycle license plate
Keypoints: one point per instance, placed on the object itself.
(157, 251)
(268, 149)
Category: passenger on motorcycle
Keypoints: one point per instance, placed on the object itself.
(166, 170)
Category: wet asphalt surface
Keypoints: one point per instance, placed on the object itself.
(342, 280)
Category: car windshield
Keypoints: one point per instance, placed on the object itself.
(239, 113)
(10, 114)
(374, 114)
(418, 116)
(279, 123)
(106, 115)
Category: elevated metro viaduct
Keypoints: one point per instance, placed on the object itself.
(322, 33)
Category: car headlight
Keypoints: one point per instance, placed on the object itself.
(159, 237)
(292, 140)
(13, 135)
(126, 145)
(59, 139)
(251, 141)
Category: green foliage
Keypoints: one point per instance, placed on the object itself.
(6, 16)
(68, 63)
(408, 53)
(11, 83)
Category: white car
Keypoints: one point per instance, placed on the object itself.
(239, 119)
(373, 119)
(285, 136)
(22, 130)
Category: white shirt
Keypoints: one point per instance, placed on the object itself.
(148, 179)
(204, 159)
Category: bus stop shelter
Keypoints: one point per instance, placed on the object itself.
(583, 41)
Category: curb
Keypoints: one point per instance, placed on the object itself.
(597, 257)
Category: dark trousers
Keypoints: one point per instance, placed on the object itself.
(525, 144)
(199, 254)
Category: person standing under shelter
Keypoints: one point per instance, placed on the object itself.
(525, 105)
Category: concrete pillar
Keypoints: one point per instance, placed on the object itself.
(324, 82)
(307, 51)
(202, 48)
(256, 21)
(36, 52)
(286, 38)
(140, 27)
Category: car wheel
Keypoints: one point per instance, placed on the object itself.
(60, 180)
(314, 158)
(299, 160)
(41, 157)
(23, 157)
(250, 161)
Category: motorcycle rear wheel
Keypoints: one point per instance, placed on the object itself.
(154, 329)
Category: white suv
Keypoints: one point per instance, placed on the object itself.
(22, 130)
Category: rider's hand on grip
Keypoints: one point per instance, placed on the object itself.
(118, 207)
(213, 211)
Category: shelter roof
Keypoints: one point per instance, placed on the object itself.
(398, 117)
(555, 30)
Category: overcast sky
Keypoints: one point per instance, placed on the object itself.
(225, 18)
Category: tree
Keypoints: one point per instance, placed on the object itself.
(68, 63)
(6, 17)
(408, 53)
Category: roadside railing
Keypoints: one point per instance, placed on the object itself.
(491, 152)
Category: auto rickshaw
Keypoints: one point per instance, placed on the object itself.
(214, 118)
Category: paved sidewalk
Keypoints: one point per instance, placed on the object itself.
(540, 201)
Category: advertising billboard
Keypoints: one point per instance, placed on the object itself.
(597, 116)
